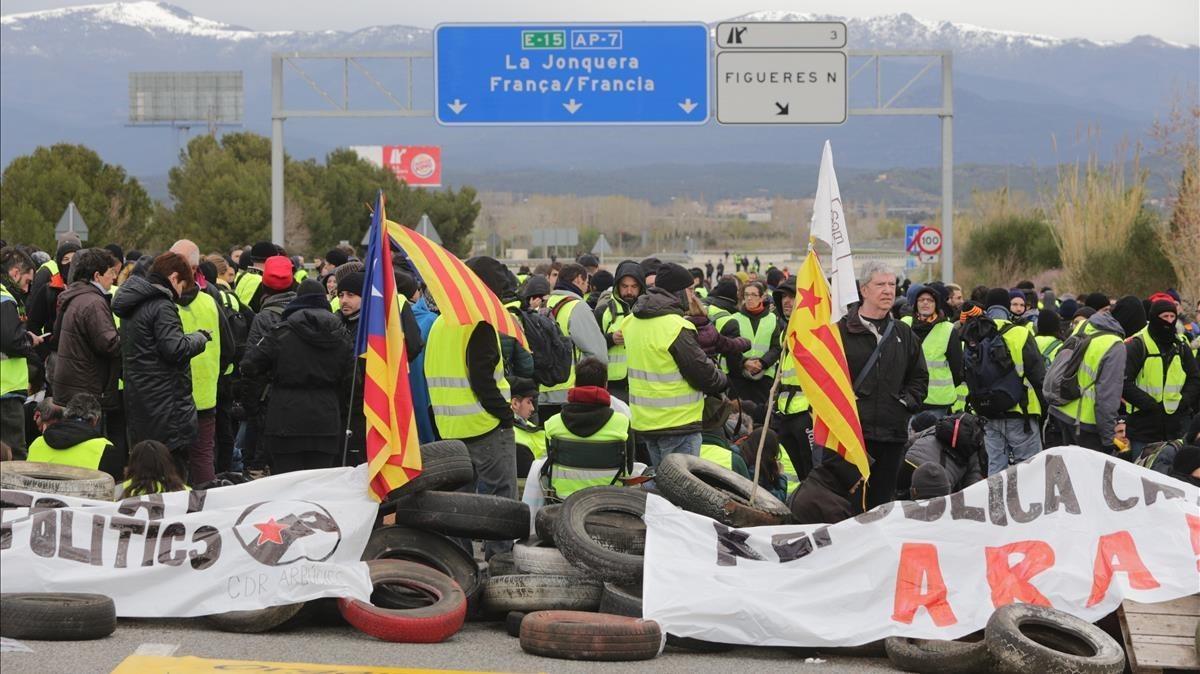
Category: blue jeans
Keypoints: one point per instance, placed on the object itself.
(1010, 441)
(659, 446)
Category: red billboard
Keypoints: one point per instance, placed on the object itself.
(417, 165)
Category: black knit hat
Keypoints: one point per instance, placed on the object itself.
(930, 480)
(588, 260)
(262, 250)
(996, 297)
(336, 257)
(310, 287)
(535, 286)
(1096, 301)
(1130, 313)
(520, 387)
(352, 283)
(673, 278)
(1048, 323)
(726, 288)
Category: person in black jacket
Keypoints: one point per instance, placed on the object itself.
(16, 346)
(894, 386)
(156, 356)
(832, 492)
(1161, 417)
(307, 359)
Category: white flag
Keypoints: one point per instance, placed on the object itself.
(829, 225)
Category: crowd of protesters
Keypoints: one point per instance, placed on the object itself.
(185, 370)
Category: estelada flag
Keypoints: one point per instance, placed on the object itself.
(393, 448)
(460, 294)
(816, 346)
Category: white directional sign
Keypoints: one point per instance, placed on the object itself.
(781, 87)
(781, 35)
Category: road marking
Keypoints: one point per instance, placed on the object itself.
(163, 650)
(13, 646)
(148, 664)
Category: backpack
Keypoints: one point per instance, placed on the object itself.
(993, 385)
(1160, 456)
(553, 353)
(239, 321)
(1061, 385)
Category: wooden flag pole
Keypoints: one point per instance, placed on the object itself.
(762, 436)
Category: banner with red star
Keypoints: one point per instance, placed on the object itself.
(816, 346)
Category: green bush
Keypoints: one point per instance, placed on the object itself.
(1004, 250)
(1139, 268)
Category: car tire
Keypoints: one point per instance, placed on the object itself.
(574, 635)
(445, 466)
(582, 550)
(542, 559)
(501, 564)
(937, 656)
(528, 593)
(1028, 638)
(478, 516)
(512, 623)
(254, 621)
(52, 478)
(627, 601)
(56, 616)
(423, 547)
(616, 531)
(433, 623)
(705, 488)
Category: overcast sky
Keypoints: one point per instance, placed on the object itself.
(1175, 20)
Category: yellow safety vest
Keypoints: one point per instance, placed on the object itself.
(1165, 387)
(456, 410)
(51, 265)
(659, 396)
(201, 314)
(1083, 411)
(158, 489)
(299, 275)
(718, 455)
(700, 292)
(1048, 346)
(719, 317)
(567, 480)
(789, 470)
(84, 455)
(335, 304)
(563, 318)
(791, 399)
(610, 322)
(247, 285)
(14, 370)
(760, 339)
(1015, 341)
(535, 441)
(941, 380)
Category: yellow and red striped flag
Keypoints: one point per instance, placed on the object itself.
(460, 295)
(816, 346)
(393, 449)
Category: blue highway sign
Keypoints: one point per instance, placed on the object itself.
(644, 73)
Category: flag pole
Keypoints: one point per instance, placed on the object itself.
(762, 437)
(349, 412)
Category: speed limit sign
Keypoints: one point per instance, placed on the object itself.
(929, 240)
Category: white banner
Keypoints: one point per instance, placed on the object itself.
(1071, 528)
(280, 540)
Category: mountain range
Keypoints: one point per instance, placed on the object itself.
(1020, 99)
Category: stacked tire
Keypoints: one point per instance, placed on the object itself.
(1018, 638)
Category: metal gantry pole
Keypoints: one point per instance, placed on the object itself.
(277, 150)
(947, 119)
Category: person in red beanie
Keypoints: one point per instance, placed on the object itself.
(276, 278)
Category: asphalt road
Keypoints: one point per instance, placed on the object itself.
(479, 646)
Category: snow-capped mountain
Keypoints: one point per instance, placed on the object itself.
(64, 76)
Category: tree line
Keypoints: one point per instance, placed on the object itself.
(220, 195)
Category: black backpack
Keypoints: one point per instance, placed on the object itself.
(553, 353)
(993, 385)
(1061, 385)
(239, 321)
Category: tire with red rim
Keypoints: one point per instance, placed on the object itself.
(428, 624)
(577, 635)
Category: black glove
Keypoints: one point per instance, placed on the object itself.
(207, 335)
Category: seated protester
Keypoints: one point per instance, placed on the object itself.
(929, 481)
(770, 473)
(150, 470)
(1186, 466)
(588, 416)
(76, 440)
(714, 444)
(46, 414)
(832, 492)
(954, 443)
(528, 435)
